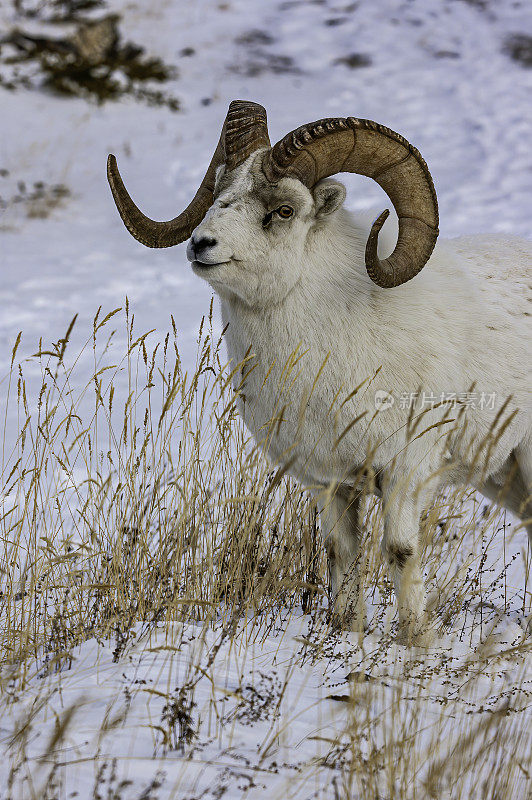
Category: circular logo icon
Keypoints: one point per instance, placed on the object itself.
(383, 400)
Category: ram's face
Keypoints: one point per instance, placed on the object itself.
(251, 223)
(252, 241)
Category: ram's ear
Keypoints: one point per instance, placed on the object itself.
(328, 196)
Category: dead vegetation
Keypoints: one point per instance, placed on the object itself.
(157, 516)
(519, 47)
(39, 201)
(255, 56)
(89, 60)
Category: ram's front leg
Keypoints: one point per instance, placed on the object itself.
(401, 548)
(342, 533)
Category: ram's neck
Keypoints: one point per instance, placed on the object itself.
(334, 292)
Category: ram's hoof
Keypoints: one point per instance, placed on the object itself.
(345, 621)
(415, 634)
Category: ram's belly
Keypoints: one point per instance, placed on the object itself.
(302, 433)
(323, 444)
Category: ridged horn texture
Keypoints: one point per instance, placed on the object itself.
(329, 146)
(244, 131)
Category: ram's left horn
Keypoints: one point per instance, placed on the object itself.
(244, 131)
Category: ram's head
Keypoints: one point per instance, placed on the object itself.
(259, 203)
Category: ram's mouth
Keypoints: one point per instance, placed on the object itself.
(208, 265)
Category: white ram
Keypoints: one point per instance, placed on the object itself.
(292, 268)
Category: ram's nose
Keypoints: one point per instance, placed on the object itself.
(198, 247)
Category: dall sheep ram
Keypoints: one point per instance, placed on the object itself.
(292, 267)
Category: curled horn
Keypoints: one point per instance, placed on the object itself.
(329, 146)
(244, 131)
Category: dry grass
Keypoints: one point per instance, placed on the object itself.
(118, 518)
(123, 517)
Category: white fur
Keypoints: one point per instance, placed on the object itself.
(462, 322)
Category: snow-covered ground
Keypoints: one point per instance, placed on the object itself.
(440, 73)
(288, 717)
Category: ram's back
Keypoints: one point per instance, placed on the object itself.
(503, 266)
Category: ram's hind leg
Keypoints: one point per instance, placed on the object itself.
(342, 533)
(513, 490)
(524, 459)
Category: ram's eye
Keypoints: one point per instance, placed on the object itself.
(285, 212)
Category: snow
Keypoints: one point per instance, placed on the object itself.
(439, 75)
(264, 717)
